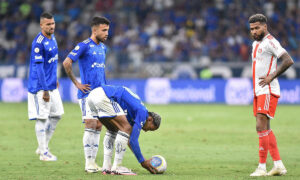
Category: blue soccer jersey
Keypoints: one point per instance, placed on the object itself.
(137, 113)
(45, 51)
(91, 60)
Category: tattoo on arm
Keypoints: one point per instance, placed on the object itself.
(68, 68)
(287, 61)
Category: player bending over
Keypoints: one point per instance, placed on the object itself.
(106, 101)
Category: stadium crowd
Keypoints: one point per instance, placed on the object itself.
(150, 30)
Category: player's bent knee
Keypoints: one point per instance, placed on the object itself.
(98, 126)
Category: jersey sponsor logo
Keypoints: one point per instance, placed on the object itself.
(38, 57)
(36, 50)
(47, 42)
(55, 58)
(98, 65)
(92, 45)
(94, 52)
(273, 45)
(77, 47)
(142, 124)
(73, 54)
(50, 49)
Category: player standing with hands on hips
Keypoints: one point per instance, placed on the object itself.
(91, 60)
(265, 52)
(44, 101)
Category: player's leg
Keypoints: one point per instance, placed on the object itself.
(56, 111)
(108, 145)
(278, 168)
(260, 108)
(89, 137)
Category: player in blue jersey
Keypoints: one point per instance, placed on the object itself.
(90, 55)
(44, 101)
(138, 118)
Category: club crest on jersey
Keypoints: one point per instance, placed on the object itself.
(77, 47)
(36, 50)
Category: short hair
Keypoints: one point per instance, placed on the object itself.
(46, 15)
(97, 20)
(257, 18)
(156, 118)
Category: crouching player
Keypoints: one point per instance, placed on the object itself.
(109, 101)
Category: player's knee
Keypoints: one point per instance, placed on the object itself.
(91, 123)
(260, 128)
(126, 128)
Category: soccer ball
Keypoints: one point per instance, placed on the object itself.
(159, 163)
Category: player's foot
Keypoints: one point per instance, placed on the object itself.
(259, 172)
(123, 171)
(47, 157)
(277, 171)
(90, 168)
(37, 151)
(105, 172)
(98, 168)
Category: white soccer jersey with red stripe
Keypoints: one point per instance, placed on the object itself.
(264, 62)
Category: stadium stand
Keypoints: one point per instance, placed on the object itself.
(152, 38)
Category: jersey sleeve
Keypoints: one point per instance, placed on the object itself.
(77, 51)
(37, 53)
(275, 48)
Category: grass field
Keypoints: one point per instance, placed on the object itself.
(198, 142)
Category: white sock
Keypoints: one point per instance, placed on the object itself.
(120, 148)
(40, 131)
(108, 148)
(50, 128)
(278, 163)
(95, 144)
(88, 138)
(262, 165)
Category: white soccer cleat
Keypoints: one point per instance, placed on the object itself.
(90, 168)
(47, 156)
(259, 172)
(37, 151)
(98, 168)
(123, 171)
(277, 171)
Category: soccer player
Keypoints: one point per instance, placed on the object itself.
(102, 101)
(266, 51)
(44, 101)
(91, 60)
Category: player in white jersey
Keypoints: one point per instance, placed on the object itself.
(266, 51)
(44, 102)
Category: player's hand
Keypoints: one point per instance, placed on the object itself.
(147, 165)
(265, 80)
(85, 88)
(46, 96)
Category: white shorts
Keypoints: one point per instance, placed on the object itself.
(39, 109)
(101, 106)
(85, 109)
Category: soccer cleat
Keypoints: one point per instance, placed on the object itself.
(37, 151)
(277, 171)
(98, 168)
(105, 172)
(47, 157)
(123, 171)
(90, 168)
(259, 172)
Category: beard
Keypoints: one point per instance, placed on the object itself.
(259, 37)
(100, 39)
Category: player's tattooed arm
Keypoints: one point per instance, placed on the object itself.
(68, 68)
(287, 61)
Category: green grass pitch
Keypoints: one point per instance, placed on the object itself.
(198, 142)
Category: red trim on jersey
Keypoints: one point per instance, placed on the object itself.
(270, 36)
(253, 67)
(269, 73)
